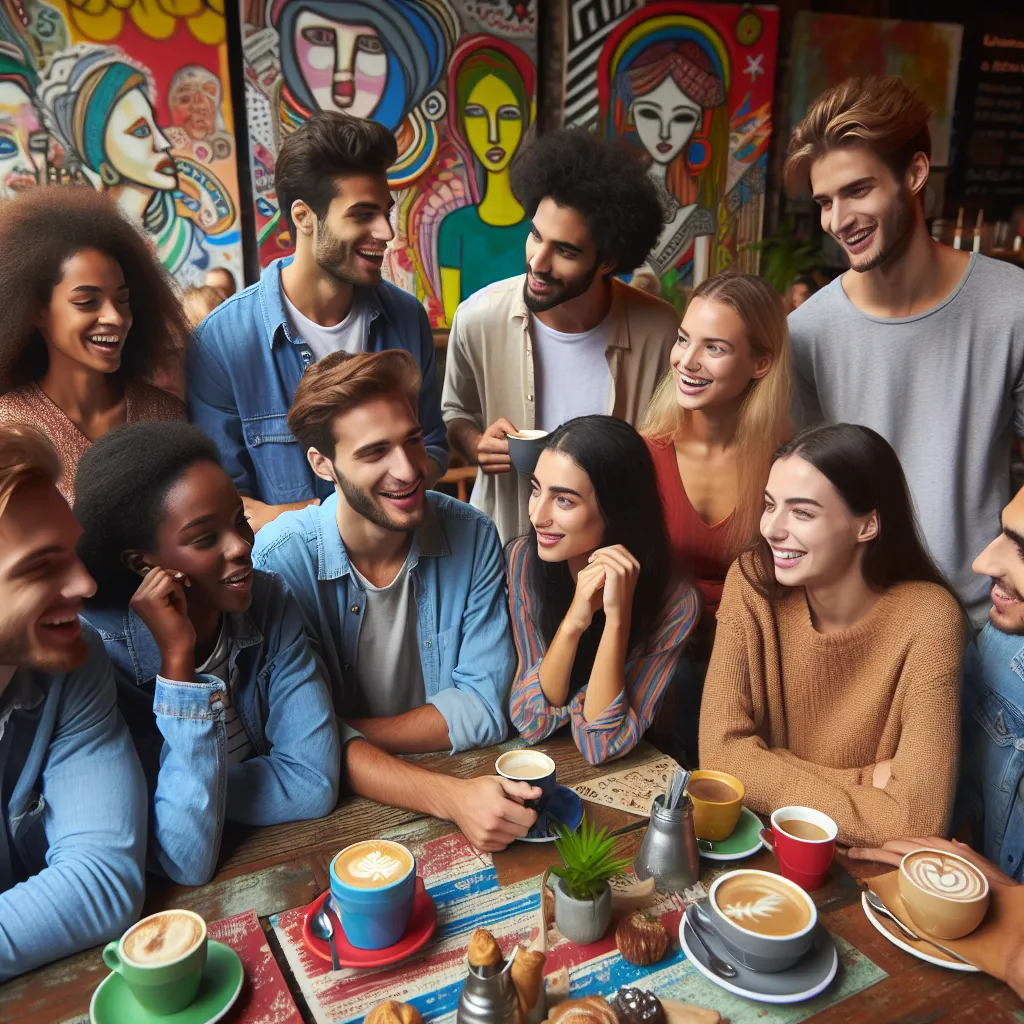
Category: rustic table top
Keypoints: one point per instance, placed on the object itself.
(274, 869)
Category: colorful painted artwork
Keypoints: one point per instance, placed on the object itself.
(133, 99)
(828, 48)
(455, 80)
(691, 85)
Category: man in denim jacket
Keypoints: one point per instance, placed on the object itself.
(403, 598)
(249, 354)
(73, 817)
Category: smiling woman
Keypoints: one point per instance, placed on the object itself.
(88, 318)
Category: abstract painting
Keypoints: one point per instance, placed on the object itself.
(690, 85)
(455, 80)
(131, 97)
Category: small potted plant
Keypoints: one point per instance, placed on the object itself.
(583, 900)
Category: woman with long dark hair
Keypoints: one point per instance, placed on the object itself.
(597, 625)
(834, 681)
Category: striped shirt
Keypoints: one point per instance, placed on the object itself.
(239, 747)
(617, 729)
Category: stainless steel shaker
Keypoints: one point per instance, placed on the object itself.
(488, 995)
(669, 852)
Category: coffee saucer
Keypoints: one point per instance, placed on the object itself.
(421, 926)
(113, 1002)
(808, 977)
(744, 841)
(564, 808)
(889, 931)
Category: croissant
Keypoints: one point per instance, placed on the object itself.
(393, 1012)
(591, 1010)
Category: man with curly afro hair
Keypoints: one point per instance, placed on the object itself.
(566, 338)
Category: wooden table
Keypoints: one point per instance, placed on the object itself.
(274, 869)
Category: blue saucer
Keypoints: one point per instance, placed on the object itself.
(564, 808)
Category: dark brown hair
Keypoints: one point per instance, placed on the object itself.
(881, 114)
(329, 145)
(40, 230)
(341, 381)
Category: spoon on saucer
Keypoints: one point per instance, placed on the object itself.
(323, 928)
(880, 908)
(721, 967)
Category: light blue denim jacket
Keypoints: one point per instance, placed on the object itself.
(246, 363)
(72, 866)
(458, 572)
(992, 785)
(178, 727)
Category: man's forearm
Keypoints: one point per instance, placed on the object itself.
(464, 437)
(388, 780)
(420, 731)
(260, 513)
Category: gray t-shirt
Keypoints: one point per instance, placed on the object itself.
(945, 388)
(388, 658)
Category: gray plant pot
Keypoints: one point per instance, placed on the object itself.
(582, 921)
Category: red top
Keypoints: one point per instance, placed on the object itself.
(699, 551)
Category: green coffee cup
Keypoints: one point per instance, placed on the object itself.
(161, 960)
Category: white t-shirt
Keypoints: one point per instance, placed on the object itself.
(348, 336)
(570, 372)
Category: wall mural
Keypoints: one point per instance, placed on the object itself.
(691, 85)
(133, 99)
(456, 83)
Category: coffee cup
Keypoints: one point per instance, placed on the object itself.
(373, 885)
(804, 843)
(717, 800)
(945, 894)
(533, 767)
(766, 921)
(524, 448)
(161, 960)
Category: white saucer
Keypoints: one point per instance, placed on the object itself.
(952, 965)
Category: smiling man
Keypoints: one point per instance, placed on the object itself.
(921, 342)
(403, 597)
(73, 803)
(249, 354)
(566, 338)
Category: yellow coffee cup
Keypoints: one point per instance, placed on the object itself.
(717, 802)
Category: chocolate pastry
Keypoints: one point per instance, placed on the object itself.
(637, 1006)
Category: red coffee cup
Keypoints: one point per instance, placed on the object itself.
(803, 858)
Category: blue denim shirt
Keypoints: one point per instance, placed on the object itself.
(244, 367)
(282, 703)
(458, 572)
(73, 847)
(993, 779)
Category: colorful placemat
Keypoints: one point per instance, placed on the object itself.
(465, 888)
(265, 998)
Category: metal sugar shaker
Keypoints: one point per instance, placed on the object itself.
(669, 852)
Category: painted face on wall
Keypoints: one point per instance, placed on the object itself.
(136, 147)
(17, 121)
(665, 120)
(494, 123)
(344, 64)
(194, 107)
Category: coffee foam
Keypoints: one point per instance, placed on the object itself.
(762, 905)
(944, 876)
(373, 864)
(162, 938)
(526, 766)
(529, 435)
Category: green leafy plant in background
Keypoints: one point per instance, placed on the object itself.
(785, 257)
(587, 860)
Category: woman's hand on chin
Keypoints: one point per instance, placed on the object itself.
(621, 573)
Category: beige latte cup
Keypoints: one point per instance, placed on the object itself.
(946, 896)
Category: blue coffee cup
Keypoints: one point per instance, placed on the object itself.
(373, 885)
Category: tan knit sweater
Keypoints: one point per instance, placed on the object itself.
(802, 717)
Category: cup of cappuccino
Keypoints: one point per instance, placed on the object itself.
(717, 800)
(945, 894)
(533, 767)
(804, 843)
(524, 448)
(373, 885)
(161, 960)
(765, 921)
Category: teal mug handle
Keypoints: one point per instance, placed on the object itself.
(110, 957)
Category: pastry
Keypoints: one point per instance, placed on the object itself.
(591, 1010)
(527, 976)
(393, 1012)
(637, 1006)
(641, 939)
(483, 950)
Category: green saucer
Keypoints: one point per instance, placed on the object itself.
(744, 841)
(113, 1002)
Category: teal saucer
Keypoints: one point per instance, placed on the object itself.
(113, 1002)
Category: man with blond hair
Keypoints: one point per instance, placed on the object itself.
(402, 593)
(73, 804)
(921, 342)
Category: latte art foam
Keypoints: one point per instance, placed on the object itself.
(373, 864)
(944, 876)
(162, 938)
